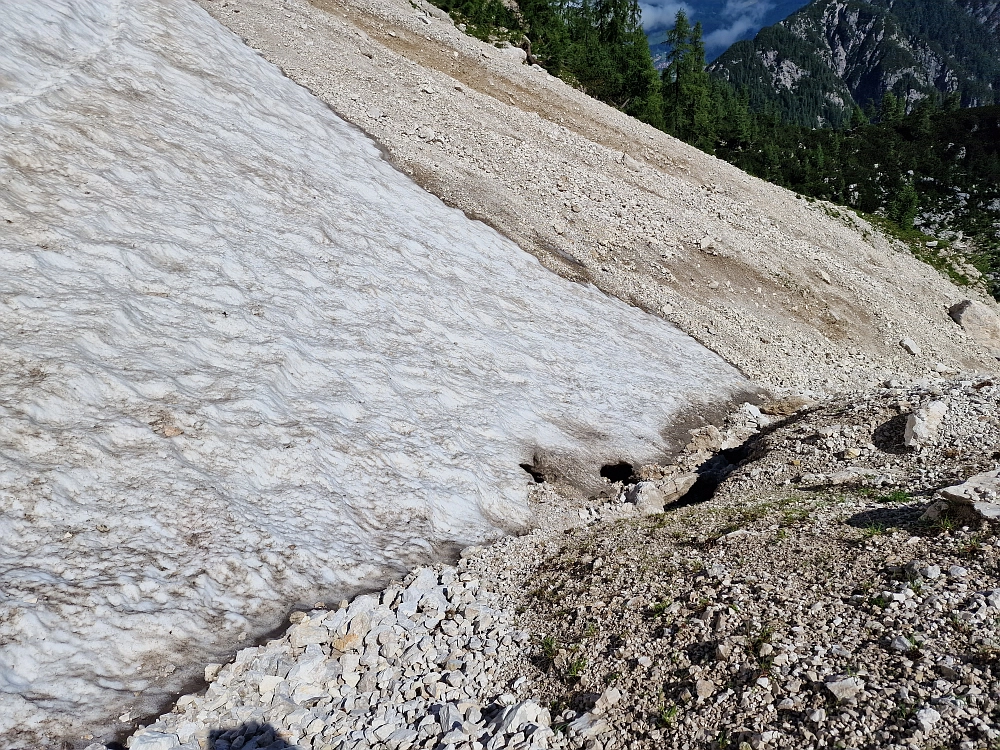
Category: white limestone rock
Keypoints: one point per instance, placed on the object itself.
(979, 494)
(155, 741)
(647, 497)
(922, 426)
(980, 321)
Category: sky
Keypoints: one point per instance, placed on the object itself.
(724, 21)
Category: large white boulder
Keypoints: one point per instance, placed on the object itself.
(979, 494)
(980, 321)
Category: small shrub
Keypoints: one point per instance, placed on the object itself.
(668, 714)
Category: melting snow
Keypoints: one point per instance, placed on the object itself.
(245, 364)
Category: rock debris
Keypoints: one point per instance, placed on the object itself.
(792, 609)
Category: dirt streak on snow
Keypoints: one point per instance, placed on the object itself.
(244, 363)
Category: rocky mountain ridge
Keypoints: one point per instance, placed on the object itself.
(833, 55)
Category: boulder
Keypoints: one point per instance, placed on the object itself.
(155, 741)
(516, 716)
(922, 426)
(927, 718)
(704, 688)
(648, 498)
(707, 438)
(675, 487)
(980, 321)
(516, 54)
(785, 407)
(978, 495)
(846, 689)
(308, 633)
(630, 163)
(589, 725)
(608, 698)
(935, 511)
(852, 475)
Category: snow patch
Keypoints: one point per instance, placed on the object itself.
(245, 364)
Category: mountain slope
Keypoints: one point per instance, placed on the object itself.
(603, 199)
(987, 12)
(246, 364)
(820, 62)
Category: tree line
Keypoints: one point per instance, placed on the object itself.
(883, 160)
(934, 158)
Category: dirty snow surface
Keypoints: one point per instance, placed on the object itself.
(246, 365)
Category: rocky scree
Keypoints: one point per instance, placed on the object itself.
(412, 666)
(808, 603)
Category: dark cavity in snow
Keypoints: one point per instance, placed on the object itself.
(535, 472)
(619, 472)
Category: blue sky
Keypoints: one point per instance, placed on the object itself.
(724, 21)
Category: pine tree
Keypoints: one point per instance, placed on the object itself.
(689, 111)
(698, 94)
(903, 209)
(892, 109)
(673, 75)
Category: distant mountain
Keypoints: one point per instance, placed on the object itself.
(724, 21)
(815, 66)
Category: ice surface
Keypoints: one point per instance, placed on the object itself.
(245, 364)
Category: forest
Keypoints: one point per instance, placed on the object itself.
(934, 167)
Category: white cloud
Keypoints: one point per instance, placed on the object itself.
(742, 16)
(661, 16)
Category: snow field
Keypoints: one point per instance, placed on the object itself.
(245, 364)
